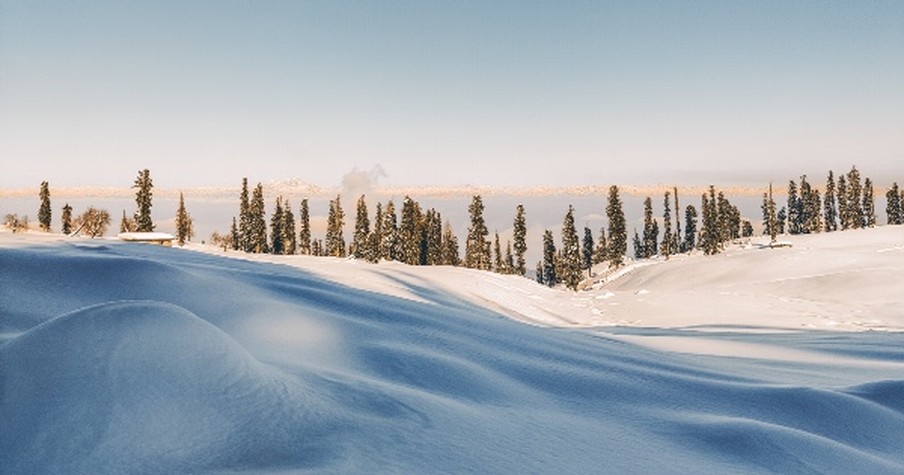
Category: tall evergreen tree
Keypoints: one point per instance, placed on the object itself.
(794, 209)
(549, 260)
(67, 219)
(640, 250)
(335, 242)
(666, 246)
(690, 229)
(234, 235)
(290, 244)
(245, 218)
(44, 212)
(571, 252)
(747, 229)
(520, 237)
(450, 247)
(144, 186)
(710, 234)
(258, 230)
(477, 247)
(782, 219)
(587, 251)
(277, 225)
(893, 205)
(869, 204)
(375, 240)
(304, 233)
(361, 241)
(650, 230)
(509, 258)
(498, 258)
(184, 224)
(390, 233)
(601, 252)
(618, 234)
(539, 272)
(854, 199)
(410, 232)
(770, 220)
(830, 209)
(433, 230)
(844, 213)
(676, 236)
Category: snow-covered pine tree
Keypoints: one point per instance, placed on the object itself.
(184, 224)
(727, 223)
(290, 243)
(665, 247)
(805, 205)
(747, 229)
(618, 234)
(770, 220)
(317, 248)
(830, 209)
(276, 228)
(794, 209)
(477, 247)
(245, 218)
(690, 229)
(257, 211)
(498, 258)
(539, 273)
(599, 255)
(520, 237)
(410, 232)
(304, 232)
(854, 199)
(571, 252)
(509, 262)
(650, 230)
(893, 204)
(676, 236)
(640, 251)
(335, 242)
(376, 235)
(710, 234)
(869, 204)
(549, 260)
(44, 211)
(844, 213)
(144, 186)
(360, 241)
(587, 251)
(434, 231)
(390, 233)
(450, 247)
(67, 219)
(782, 219)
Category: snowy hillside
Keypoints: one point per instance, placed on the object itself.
(133, 358)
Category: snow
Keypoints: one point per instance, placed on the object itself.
(145, 236)
(117, 357)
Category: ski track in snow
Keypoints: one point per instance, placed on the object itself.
(125, 358)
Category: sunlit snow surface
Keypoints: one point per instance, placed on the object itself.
(124, 358)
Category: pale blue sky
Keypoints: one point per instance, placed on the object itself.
(441, 93)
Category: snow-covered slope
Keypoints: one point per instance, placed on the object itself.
(134, 358)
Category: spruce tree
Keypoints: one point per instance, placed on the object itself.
(375, 240)
(520, 237)
(390, 233)
(710, 234)
(830, 209)
(782, 219)
(650, 230)
(277, 225)
(549, 260)
(184, 224)
(509, 262)
(676, 236)
(44, 212)
(539, 273)
(477, 247)
(290, 243)
(794, 209)
(143, 195)
(67, 219)
(571, 252)
(690, 229)
(433, 226)
(893, 204)
(770, 220)
(640, 251)
(304, 233)
(498, 258)
(587, 251)
(747, 229)
(854, 199)
(665, 247)
(234, 235)
(617, 235)
(601, 252)
(245, 218)
(258, 230)
(869, 204)
(360, 242)
(335, 242)
(844, 213)
(450, 247)
(410, 233)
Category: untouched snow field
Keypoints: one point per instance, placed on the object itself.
(130, 358)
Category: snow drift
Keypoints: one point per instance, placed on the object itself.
(132, 358)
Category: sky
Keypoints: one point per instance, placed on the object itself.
(449, 93)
